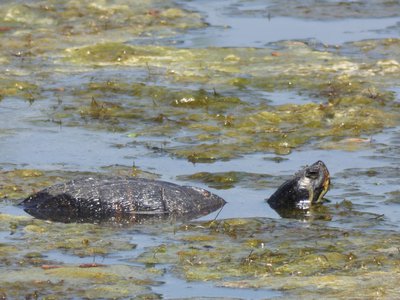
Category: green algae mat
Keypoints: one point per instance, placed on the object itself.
(136, 76)
(207, 102)
(301, 259)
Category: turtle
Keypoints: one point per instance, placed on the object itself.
(135, 200)
(120, 199)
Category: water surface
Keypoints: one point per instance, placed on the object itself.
(278, 86)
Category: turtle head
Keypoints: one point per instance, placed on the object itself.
(308, 186)
(314, 182)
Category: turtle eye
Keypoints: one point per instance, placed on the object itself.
(312, 174)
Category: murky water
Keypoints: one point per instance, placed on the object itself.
(276, 59)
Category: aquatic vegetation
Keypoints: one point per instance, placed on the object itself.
(32, 270)
(19, 183)
(92, 283)
(349, 105)
(134, 68)
(227, 180)
(226, 127)
(43, 238)
(18, 89)
(72, 19)
(207, 103)
(247, 253)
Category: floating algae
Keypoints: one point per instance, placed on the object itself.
(350, 105)
(29, 270)
(247, 253)
(18, 89)
(211, 104)
(19, 183)
(226, 127)
(113, 66)
(112, 281)
(227, 180)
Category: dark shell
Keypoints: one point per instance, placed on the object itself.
(91, 199)
(307, 187)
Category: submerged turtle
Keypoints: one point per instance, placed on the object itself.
(120, 199)
(307, 187)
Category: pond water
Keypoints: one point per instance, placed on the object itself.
(250, 24)
(98, 87)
